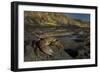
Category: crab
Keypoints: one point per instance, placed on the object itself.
(44, 45)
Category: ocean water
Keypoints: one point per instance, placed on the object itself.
(83, 17)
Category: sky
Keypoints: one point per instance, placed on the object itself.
(84, 17)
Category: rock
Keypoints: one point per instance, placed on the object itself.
(73, 52)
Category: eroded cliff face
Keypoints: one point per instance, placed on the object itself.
(51, 19)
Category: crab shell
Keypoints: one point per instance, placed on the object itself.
(44, 45)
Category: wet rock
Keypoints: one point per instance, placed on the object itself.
(73, 52)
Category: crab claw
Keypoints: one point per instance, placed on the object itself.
(58, 44)
(47, 50)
